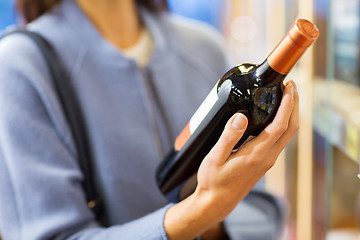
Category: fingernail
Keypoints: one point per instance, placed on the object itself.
(290, 88)
(239, 122)
(294, 85)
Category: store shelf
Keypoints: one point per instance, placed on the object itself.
(337, 118)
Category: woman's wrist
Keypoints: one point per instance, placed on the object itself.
(191, 217)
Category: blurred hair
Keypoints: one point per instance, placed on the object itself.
(29, 10)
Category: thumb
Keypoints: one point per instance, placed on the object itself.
(233, 131)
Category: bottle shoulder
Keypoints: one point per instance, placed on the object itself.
(239, 70)
(250, 75)
(247, 85)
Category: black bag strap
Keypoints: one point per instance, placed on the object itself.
(73, 115)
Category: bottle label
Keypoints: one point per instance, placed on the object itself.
(197, 118)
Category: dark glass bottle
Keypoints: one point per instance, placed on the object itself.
(254, 90)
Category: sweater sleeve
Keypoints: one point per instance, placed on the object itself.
(40, 180)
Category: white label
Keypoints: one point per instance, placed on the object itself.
(204, 109)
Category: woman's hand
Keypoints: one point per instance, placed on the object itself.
(225, 178)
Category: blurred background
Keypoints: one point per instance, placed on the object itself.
(317, 174)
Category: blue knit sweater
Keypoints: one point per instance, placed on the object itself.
(133, 116)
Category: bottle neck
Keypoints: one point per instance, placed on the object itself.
(285, 55)
(267, 73)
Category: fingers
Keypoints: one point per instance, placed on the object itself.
(268, 145)
(273, 138)
(293, 124)
(232, 133)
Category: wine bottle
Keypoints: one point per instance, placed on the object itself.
(254, 90)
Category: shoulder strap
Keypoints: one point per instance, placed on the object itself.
(73, 114)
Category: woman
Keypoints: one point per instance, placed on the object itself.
(139, 74)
